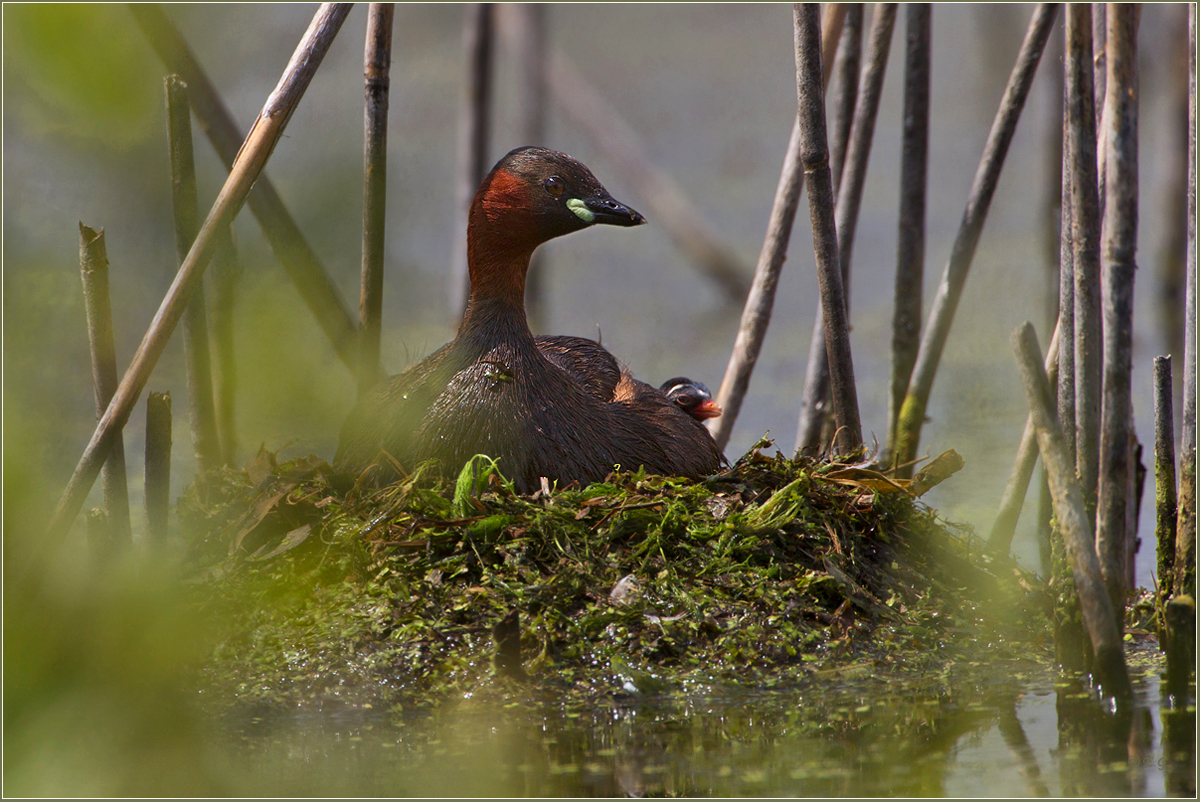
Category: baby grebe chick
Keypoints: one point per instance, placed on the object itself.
(692, 397)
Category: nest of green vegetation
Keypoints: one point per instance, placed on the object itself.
(774, 572)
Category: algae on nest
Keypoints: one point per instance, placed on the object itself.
(772, 573)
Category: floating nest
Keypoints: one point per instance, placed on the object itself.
(773, 573)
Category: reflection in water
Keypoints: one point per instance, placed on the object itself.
(1177, 757)
(875, 738)
(1014, 735)
(1092, 745)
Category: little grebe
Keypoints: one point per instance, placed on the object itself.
(692, 397)
(544, 407)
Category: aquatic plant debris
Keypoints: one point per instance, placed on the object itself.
(772, 573)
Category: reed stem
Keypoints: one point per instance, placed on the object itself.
(377, 63)
(862, 132)
(252, 158)
(843, 87)
(814, 154)
(1185, 528)
(816, 419)
(158, 465)
(529, 48)
(1099, 62)
(289, 245)
(1181, 651)
(197, 359)
(474, 130)
(914, 178)
(756, 314)
(101, 544)
(1120, 248)
(1099, 615)
(1170, 270)
(848, 200)
(1005, 525)
(1165, 501)
(945, 302)
(1065, 392)
(93, 264)
(1043, 526)
(1085, 244)
(1100, 91)
(1052, 197)
(224, 289)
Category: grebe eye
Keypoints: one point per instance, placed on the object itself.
(555, 186)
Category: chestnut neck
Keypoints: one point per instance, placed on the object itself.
(498, 254)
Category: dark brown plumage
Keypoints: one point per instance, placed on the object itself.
(544, 407)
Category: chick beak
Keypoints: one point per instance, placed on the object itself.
(707, 409)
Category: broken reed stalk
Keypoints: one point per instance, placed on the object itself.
(666, 203)
(1165, 509)
(252, 158)
(158, 465)
(289, 245)
(914, 178)
(1085, 243)
(1181, 650)
(814, 154)
(1185, 528)
(93, 266)
(101, 544)
(1120, 250)
(1099, 615)
(945, 302)
(756, 314)
(528, 44)
(225, 272)
(848, 201)
(1135, 487)
(1000, 538)
(202, 413)
(474, 125)
(377, 63)
(814, 420)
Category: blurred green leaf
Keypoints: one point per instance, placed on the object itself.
(82, 70)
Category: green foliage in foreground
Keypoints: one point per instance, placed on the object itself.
(769, 574)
